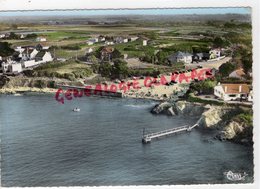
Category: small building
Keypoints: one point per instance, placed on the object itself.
(228, 92)
(16, 68)
(2, 36)
(22, 36)
(250, 96)
(198, 57)
(11, 67)
(106, 53)
(215, 53)
(29, 63)
(239, 73)
(41, 39)
(92, 41)
(89, 50)
(109, 43)
(101, 38)
(145, 42)
(28, 54)
(180, 57)
(43, 56)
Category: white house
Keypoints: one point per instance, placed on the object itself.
(133, 38)
(144, 42)
(229, 92)
(239, 73)
(16, 68)
(22, 36)
(11, 67)
(90, 42)
(41, 39)
(2, 36)
(109, 43)
(4, 67)
(89, 50)
(29, 63)
(180, 57)
(19, 49)
(214, 53)
(43, 56)
(250, 96)
(101, 39)
(28, 54)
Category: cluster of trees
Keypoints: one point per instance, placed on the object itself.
(203, 87)
(5, 49)
(118, 70)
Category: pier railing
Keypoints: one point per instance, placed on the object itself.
(148, 137)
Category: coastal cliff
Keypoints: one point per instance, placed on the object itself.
(232, 123)
(11, 85)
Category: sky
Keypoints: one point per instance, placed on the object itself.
(131, 12)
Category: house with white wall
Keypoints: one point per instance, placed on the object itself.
(43, 56)
(180, 57)
(41, 39)
(228, 92)
(215, 53)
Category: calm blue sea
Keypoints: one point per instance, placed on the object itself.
(44, 143)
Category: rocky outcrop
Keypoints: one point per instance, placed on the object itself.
(221, 118)
(9, 84)
(179, 108)
(213, 116)
(3, 80)
(161, 108)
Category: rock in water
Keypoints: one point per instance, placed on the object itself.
(161, 108)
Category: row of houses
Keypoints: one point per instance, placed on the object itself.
(22, 36)
(7, 35)
(233, 92)
(111, 40)
(24, 58)
(188, 58)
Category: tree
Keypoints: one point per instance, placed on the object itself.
(120, 69)
(95, 67)
(162, 57)
(247, 61)
(5, 49)
(31, 36)
(219, 42)
(204, 87)
(105, 69)
(226, 69)
(13, 36)
(116, 54)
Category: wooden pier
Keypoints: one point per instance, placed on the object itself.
(147, 138)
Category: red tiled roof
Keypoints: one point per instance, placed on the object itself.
(234, 88)
(108, 49)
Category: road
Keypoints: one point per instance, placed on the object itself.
(214, 64)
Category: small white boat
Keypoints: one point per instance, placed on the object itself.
(76, 110)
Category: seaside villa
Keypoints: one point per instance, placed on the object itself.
(229, 92)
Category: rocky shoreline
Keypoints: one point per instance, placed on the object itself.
(222, 119)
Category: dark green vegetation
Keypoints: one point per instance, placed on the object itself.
(203, 87)
(5, 49)
(165, 37)
(192, 98)
(70, 70)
